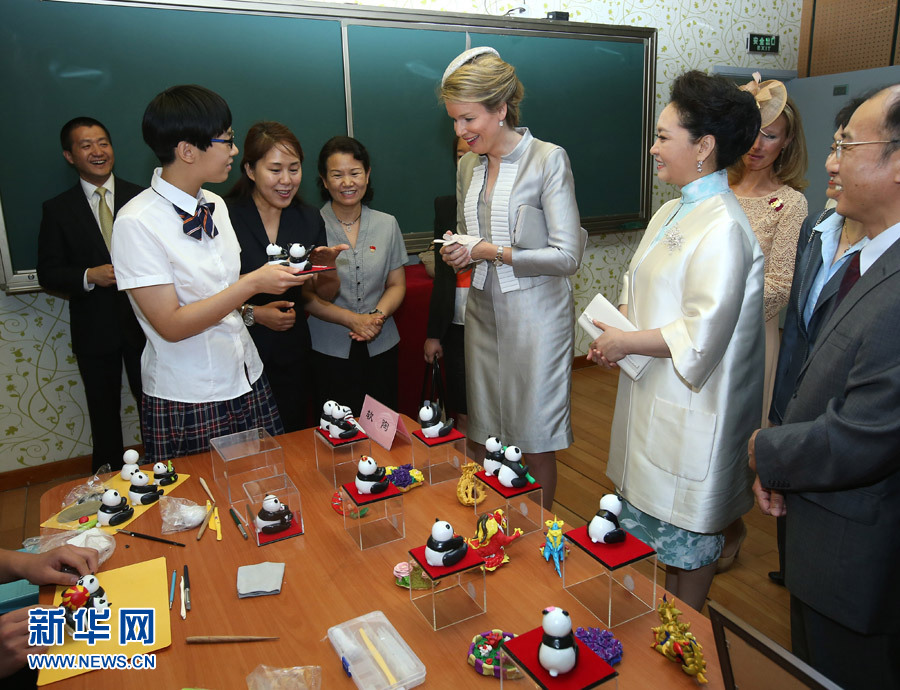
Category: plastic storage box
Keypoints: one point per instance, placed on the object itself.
(375, 655)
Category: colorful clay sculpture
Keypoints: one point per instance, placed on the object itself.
(604, 526)
(404, 477)
(491, 540)
(469, 491)
(143, 492)
(86, 593)
(484, 655)
(676, 642)
(430, 419)
(602, 642)
(274, 516)
(558, 652)
(444, 548)
(337, 421)
(555, 546)
(370, 478)
(114, 509)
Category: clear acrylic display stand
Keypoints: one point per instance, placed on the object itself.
(523, 507)
(457, 593)
(243, 457)
(337, 460)
(373, 519)
(284, 490)
(439, 459)
(615, 582)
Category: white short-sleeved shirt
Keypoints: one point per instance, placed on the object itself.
(150, 248)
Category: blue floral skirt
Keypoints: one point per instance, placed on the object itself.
(674, 546)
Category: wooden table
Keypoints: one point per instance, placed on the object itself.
(328, 580)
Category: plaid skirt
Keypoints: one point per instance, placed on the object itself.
(173, 429)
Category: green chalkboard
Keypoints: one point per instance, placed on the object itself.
(588, 88)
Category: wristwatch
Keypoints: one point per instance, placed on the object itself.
(247, 315)
(376, 310)
(498, 260)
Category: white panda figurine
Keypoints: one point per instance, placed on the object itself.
(274, 516)
(299, 256)
(370, 478)
(114, 509)
(342, 426)
(327, 417)
(130, 458)
(604, 526)
(142, 492)
(100, 602)
(430, 419)
(513, 474)
(275, 254)
(443, 548)
(163, 475)
(558, 652)
(493, 455)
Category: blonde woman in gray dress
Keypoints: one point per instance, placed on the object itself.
(517, 194)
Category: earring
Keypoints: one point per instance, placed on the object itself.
(699, 166)
(501, 123)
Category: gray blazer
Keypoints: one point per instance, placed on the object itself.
(837, 459)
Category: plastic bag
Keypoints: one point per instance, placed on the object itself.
(296, 678)
(179, 514)
(94, 538)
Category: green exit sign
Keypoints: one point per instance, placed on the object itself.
(762, 43)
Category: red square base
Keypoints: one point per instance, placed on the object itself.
(364, 499)
(505, 491)
(454, 435)
(295, 530)
(340, 441)
(470, 560)
(612, 556)
(589, 672)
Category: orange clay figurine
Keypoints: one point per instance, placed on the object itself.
(490, 539)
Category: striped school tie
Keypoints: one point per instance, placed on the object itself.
(201, 222)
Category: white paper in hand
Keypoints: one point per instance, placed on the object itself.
(600, 309)
(467, 241)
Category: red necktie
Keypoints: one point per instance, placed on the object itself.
(851, 275)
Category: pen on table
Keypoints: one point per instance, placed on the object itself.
(172, 589)
(187, 589)
(238, 523)
(150, 537)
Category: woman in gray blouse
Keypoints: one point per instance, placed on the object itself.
(354, 338)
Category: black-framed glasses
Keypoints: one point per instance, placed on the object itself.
(229, 141)
(838, 146)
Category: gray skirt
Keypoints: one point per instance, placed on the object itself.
(519, 350)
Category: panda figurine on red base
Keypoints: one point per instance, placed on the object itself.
(493, 456)
(430, 419)
(513, 474)
(604, 526)
(558, 652)
(443, 548)
(274, 516)
(370, 478)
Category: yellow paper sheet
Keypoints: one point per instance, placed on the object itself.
(116, 482)
(142, 585)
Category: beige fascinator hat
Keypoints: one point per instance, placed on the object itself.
(465, 57)
(770, 95)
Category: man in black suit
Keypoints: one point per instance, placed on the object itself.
(833, 467)
(73, 259)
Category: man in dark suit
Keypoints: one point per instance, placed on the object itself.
(833, 467)
(73, 259)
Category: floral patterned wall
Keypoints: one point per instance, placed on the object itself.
(43, 415)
